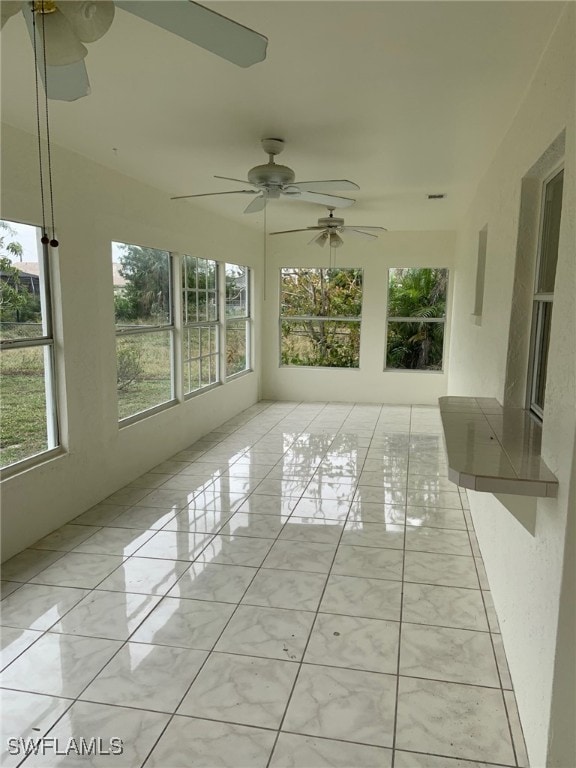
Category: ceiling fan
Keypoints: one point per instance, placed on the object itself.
(68, 24)
(272, 180)
(329, 231)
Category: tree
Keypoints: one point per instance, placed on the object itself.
(146, 296)
(416, 293)
(17, 304)
(326, 294)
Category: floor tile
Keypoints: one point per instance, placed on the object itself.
(241, 689)
(361, 534)
(153, 677)
(112, 615)
(68, 664)
(148, 518)
(300, 556)
(263, 504)
(66, 537)
(418, 760)
(447, 570)
(286, 589)
(354, 642)
(13, 641)
(138, 730)
(501, 661)
(454, 720)
(114, 541)
(28, 563)
(444, 606)
(322, 509)
(371, 495)
(293, 751)
(368, 562)
(438, 540)
(36, 606)
(26, 715)
(455, 655)
(356, 596)
(436, 517)
(174, 545)
(516, 728)
(311, 529)
(207, 744)
(79, 570)
(368, 512)
(199, 521)
(145, 576)
(236, 550)
(491, 612)
(7, 587)
(343, 704)
(255, 526)
(185, 623)
(211, 581)
(101, 514)
(444, 499)
(274, 633)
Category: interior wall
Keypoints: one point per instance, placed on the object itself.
(532, 577)
(95, 206)
(369, 382)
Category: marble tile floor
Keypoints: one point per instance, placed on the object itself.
(300, 588)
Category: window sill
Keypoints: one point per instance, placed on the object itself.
(11, 470)
(494, 449)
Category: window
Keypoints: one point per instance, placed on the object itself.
(547, 259)
(237, 319)
(144, 328)
(28, 407)
(480, 272)
(416, 318)
(200, 323)
(320, 314)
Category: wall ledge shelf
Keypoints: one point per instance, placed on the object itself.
(494, 449)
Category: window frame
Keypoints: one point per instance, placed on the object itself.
(46, 342)
(319, 319)
(247, 318)
(215, 326)
(537, 356)
(136, 330)
(416, 319)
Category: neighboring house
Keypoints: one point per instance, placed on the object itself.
(29, 275)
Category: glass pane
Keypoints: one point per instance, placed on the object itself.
(23, 417)
(332, 344)
(415, 346)
(193, 382)
(22, 306)
(142, 285)
(144, 371)
(212, 306)
(550, 234)
(417, 292)
(191, 343)
(321, 292)
(236, 347)
(236, 291)
(542, 342)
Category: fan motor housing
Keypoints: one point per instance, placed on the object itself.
(331, 222)
(271, 173)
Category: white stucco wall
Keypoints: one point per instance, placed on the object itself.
(532, 577)
(369, 383)
(95, 206)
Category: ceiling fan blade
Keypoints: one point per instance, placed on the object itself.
(359, 233)
(334, 185)
(229, 178)
(368, 229)
(320, 239)
(333, 201)
(63, 83)
(203, 27)
(288, 231)
(258, 204)
(210, 194)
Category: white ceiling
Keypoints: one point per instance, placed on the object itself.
(404, 98)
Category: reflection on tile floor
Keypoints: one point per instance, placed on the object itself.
(300, 588)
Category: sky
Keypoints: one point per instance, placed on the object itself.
(26, 236)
